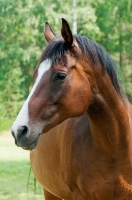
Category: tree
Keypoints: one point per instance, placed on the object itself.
(114, 19)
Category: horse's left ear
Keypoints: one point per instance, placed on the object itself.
(66, 33)
(48, 33)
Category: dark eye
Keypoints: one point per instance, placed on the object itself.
(59, 77)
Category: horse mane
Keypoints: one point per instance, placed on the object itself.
(56, 51)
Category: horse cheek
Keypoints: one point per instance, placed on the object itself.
(84, 100)
(80, 101)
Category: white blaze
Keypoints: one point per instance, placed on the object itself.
(23, 117)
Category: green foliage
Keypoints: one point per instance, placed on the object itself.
(5, 124)
(22, 42)
(115, 21)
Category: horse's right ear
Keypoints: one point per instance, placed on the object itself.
(48, 33)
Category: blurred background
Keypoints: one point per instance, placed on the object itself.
(21, 43)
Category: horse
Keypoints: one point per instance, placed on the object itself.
(77, 122)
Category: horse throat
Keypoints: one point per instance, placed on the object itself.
(109, 119)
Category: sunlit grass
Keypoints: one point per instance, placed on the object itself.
(14, 173)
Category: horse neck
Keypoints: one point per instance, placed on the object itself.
(108, 116)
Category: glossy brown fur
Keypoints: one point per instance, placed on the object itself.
(70, 164)
(85, 153)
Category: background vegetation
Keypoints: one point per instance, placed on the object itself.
(15, 183)
(21, 41)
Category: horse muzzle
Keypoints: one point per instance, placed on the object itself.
(24, 138)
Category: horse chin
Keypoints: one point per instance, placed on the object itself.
(33, 144)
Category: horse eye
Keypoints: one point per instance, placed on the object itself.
(59, 76)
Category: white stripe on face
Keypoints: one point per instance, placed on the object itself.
(23, 117)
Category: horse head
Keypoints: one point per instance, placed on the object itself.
(61, 88)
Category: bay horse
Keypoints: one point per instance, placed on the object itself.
(77, 122)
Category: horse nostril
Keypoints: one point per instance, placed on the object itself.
(22, 132)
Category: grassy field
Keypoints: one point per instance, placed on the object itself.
(14, 172)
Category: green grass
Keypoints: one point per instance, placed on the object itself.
(14, 172)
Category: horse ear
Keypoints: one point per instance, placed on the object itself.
(48, 33)
(66, 33)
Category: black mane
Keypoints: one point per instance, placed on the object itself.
(56, 51)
